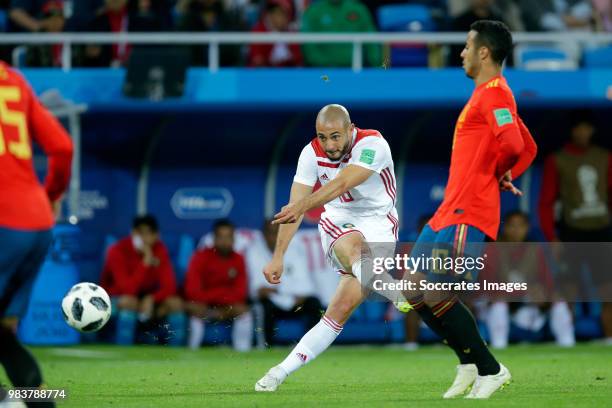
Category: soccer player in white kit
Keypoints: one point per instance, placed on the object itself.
(358, 190)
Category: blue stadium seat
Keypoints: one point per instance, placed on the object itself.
(364, 332)
(543, 58)
(43, 323)
(185, 250)
(598, 57)
(406, 17)
(3, 20)
(587, 320)
(109, 240)
(180, 247)
(91, 245)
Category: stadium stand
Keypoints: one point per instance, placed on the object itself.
(543, 58)
(411, 18)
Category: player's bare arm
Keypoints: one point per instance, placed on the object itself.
(274, 269)
(348, 178)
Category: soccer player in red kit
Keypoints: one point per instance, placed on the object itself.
(139, 277)
(491, 147)
(216, 289)
(26, 210)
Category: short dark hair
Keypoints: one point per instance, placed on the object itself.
(516, 213)
(579, 116)
(494, 35)
(148, 220)
(221, 223)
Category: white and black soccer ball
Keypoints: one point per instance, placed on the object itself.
(86, 307)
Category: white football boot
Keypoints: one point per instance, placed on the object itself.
(270, 382)
(466, 375)
(486, 385)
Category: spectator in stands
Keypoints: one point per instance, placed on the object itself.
(524, 263)
(556, 15)
(211, 16)
(326, 16)
(478, 10)
(139, 277)
(299, 7)
(437, 8)
(216, 289)
(275, 18)
(113, 17)
(81, 13)
(148, 15)
(39, 16)
(374, 5)
(120, 16)
(603, 15)
(294, 297)
(580, 177)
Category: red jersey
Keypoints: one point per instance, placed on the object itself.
(124, 272)
(489, 140)
(215, 279)
(263, 54)
(24, 203)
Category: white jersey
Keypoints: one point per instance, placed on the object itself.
(325, 280)
(375, 196)
(297, 280)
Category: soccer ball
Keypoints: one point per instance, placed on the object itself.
(86, 307)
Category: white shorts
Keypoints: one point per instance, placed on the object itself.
(375, 229)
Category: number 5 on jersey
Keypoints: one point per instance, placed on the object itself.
(21, 148)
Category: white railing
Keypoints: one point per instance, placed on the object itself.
(215, 39)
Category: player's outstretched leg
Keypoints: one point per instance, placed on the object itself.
(348, 296)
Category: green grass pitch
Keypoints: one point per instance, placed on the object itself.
(148, 376)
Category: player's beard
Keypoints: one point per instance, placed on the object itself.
(341, 154)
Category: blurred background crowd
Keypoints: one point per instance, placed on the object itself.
(309, 16)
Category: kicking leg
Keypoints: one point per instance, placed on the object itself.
(348, 296)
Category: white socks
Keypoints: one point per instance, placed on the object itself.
(242, 332)
(562, 325)
(196, 332)
(313, 343)
(498, 323)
